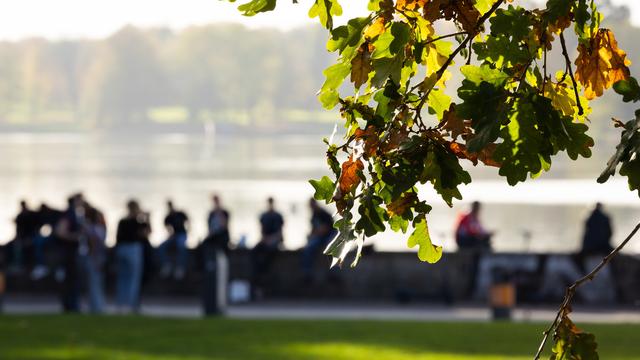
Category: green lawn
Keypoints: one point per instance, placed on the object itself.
(85, 337)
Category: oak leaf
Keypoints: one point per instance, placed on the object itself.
(410, 5)
(361, 66)
(370, 138)
(375, 29)
(600, 64)
(350, 178)
(400, 206)
(454, 124)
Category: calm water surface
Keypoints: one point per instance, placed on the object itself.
(246, 170)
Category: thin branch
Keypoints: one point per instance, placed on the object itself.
(571, 290)
(573, 79)
(427, 42)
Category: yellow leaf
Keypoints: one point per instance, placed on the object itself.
(601, 64)
(375, 29)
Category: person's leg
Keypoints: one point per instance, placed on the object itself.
(309, 254)
(181, 254)
(123, 277)
(95, 285)
(137, 266)
(162, 256)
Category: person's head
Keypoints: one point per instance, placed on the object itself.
(23, 205)
(475, 207)
(170, 205)
(270, 203)
(598, 206)
(216, 201)
(133, 207)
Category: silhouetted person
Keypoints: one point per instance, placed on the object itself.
(473, 240)
(322, 232)
(176, 223)
(48, 219)
(93, 257)
(26, 230)
(597, 233)
(69, 233)
(218, 225)
(470, 234)
(264, 253)
(131, 237)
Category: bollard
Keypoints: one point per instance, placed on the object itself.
(502, 295)
(216, 274)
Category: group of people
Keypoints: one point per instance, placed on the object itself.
(79, 232)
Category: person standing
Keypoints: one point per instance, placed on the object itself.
(93, 257)
(322, 232)
(265, 252)
(176, 223)
(69, 233)
(26, 231)
(132, 233)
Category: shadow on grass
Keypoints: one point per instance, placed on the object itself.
(85, 337)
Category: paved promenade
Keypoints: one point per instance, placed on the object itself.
(190, 308)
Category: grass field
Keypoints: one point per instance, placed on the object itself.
(85, 337)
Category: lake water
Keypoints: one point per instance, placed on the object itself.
(245, 170)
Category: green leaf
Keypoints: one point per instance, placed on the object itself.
(325, 10)
(484, 73)
(372, 216)
(442, 169)
(420, 236)
(324, 189)
(335, 75)
(386, 68)
(626, 155)
(383, 46)
(485, 104)
(629, 89)
(401, 33)
(438, 102)
(257, 6)
(349, 35)
(339, 246)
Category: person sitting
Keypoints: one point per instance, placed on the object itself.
(176, 223)
(322, 232)
(470, 234)
(264, 253)
(218, 223)
(597, 233)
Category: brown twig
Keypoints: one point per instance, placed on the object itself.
(573, 79)
(571, 290)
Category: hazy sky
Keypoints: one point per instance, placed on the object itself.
(98, 18)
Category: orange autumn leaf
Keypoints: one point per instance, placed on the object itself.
(485, 155)
(370, 139)
(455, 125)
(601, 64)
(349, 178)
